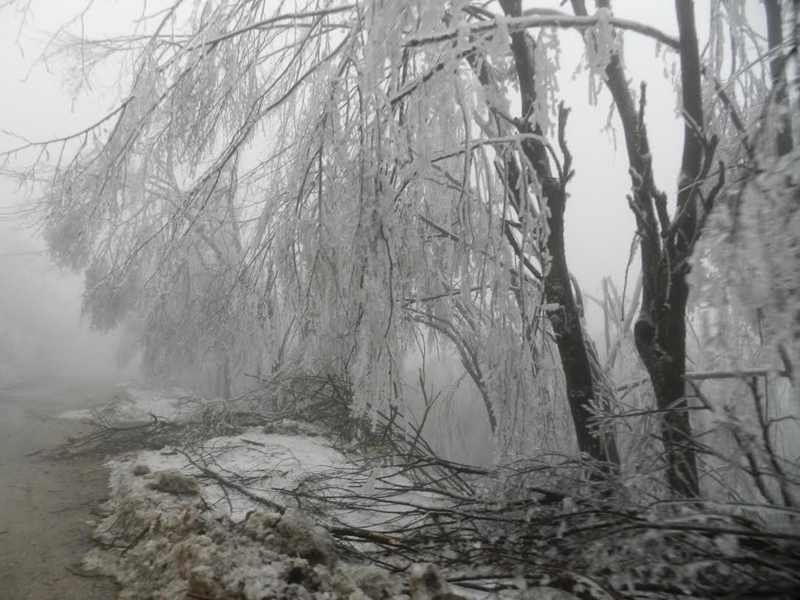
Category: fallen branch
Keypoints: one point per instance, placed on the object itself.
(709, 375)
(370, 536)
(223, 481)
(137, 539)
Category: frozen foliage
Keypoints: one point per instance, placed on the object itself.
(745, 274)
(326, 191)
(602, 42)
(763, 268)
(334, 186)
(321, 194)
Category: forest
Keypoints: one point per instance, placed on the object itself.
(367, 216)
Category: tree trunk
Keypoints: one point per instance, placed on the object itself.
(568, 331)
(780, 86)
(565, 321)
(224, 385)
(660, 336)
(666, 246)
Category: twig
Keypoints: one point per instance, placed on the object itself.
(370, 536)
(253, 442)
(744, 533)
(235, 486)
(137, 539)
(515, 24)
(707, 375)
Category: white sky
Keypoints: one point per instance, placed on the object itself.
(35, 103)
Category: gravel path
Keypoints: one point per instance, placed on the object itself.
(45, 505)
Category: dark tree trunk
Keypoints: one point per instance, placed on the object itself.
(666, 245)
(777, 66)
(660, 336)
(569, 335)
(224, 383)
(565, 321)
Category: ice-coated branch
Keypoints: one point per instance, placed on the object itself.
(560, 21)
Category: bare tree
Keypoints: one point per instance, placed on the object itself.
(668, 241)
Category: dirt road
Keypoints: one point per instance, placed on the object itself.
(45, 505)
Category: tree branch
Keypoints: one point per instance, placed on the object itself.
(560, 21)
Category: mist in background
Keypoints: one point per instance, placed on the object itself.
(41, 332)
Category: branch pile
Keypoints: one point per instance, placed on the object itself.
(391, 503)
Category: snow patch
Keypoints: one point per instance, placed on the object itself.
(135, 405)
(223, 519)
(281, 469)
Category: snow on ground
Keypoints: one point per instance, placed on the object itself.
(136, 405)
(176, 528)
(275, 467)
(165, 546)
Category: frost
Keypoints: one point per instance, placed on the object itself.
(174, 482)
(375, 583)
(175, 549)
(297, 535)
(321, 194)
(601, 43)
(427, 584)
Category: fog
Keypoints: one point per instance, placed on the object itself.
(41, 331)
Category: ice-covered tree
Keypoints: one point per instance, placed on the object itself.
(328, 178)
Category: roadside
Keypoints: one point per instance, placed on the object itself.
(234, 499)
(213, 500)
(46, 506)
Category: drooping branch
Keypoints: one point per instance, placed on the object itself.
(535, 169)
(561, 21)
(270, 22)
